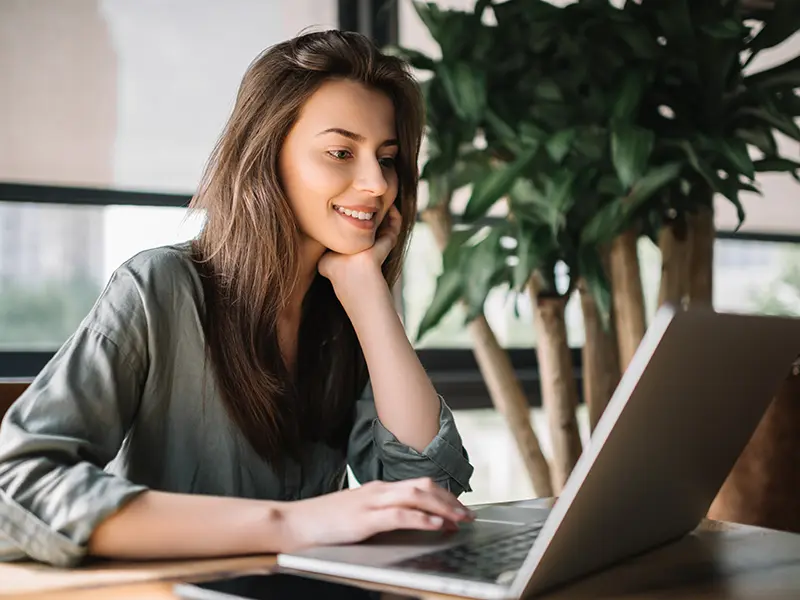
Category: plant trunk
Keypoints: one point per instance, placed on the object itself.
(761, 489)
(687, 260)
(675, 244)
(702, 232)
(509, 399)
(628, 298)
(504, 387)
(600, 360)
(559, 390)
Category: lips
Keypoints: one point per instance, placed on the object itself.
(361, 216)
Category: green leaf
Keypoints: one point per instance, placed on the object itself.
(727, 187)
(724, 30)
(761, 138)
(591, 269)
(452, 254)
(415, 58)
(531, 134)
(786, 74)
(784, 124)
(639, 39)
(610, 186)
(631, 147)
(675, 20)
(495, 185)
(629, 97)
(746, 187)
(615, 215)
(504, 132)
(431, 16)
(605, 224)
(481, 266)
(779, 165)
(790, 104)
(449, 286)
(783, 21)
(560, 198)
(653, 181)
(480, 6)
(559, 144)
(736, 151)
(532, 247)
(548, 90)
(466, 89)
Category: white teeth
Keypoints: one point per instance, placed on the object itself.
(361, 216)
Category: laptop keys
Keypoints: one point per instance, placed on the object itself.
(481, 560)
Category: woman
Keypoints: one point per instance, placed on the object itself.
(209, 403)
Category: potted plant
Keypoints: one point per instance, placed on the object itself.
(595, 125)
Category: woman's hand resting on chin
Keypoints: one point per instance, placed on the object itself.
(349, 272)
(354, 515)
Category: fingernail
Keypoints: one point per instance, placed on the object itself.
(437, 521)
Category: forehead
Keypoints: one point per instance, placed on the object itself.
(349, 105)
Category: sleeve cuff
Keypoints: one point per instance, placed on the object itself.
(445, 460)
(27, 536)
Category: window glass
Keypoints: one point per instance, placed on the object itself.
(133, 95)
(55, 260)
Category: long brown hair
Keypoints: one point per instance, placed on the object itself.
(248, 250)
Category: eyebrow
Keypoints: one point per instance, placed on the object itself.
(356, 137)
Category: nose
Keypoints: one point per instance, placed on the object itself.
(370, 178)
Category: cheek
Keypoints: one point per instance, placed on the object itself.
(313, 177)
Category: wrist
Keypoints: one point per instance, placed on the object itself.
(273, 532)
(361, 288)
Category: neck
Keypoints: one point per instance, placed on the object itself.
(310, 253)
(289, 319)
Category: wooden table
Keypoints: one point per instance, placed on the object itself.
(719, 561)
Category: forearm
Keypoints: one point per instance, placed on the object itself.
(405, 399)
(157, 525)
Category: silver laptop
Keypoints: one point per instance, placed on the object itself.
(683, 412)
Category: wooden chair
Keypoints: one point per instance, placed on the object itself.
(10, 390)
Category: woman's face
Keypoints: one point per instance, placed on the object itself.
(337, 165)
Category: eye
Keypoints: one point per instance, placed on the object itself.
(388, 162)
(340, 154)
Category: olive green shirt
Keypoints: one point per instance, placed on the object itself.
(127, 404)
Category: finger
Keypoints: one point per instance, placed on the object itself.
(420, 499)
(383, 246)
(426, 483)
(395, 219)
(389, 519)
(392, 221)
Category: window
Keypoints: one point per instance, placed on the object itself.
(56, 259)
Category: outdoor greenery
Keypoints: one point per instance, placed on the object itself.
(42, 317)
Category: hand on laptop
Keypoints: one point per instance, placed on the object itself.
(353, 515)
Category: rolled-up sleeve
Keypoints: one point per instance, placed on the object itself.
(375, 453)
(68, 425)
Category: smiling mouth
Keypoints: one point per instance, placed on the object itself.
(355, 214)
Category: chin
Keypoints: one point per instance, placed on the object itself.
(349, 246)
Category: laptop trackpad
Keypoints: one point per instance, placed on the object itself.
(387, 548)
(512, 514)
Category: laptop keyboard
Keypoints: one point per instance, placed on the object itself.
(484, 559)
